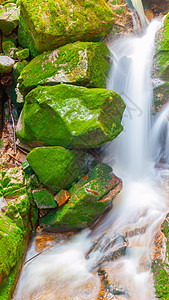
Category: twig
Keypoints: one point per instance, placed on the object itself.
(38, 254)
(13, 124)
(14, 158)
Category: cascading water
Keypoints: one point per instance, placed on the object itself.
(63, 272)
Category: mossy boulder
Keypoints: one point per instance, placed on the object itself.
(48, 25)
(160, 266)
(86, 204)
(161, 66)
(81, 63)
(70, 116)
(9, 18)
(57, 167)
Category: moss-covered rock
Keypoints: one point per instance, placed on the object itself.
(70, 116)
(44, 199)
(161, 66)
(52, 23)
(7, 47)
(57, 167)
(86, 204)
(6, 64)
(161, 62)
(9, 18)
(18, 210)
(13, 182)
(80, 63)
(161, 96)
(11, 244)
(160, 266)
(22, 54)
(15, 227)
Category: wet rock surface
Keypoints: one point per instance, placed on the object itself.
(86, 64)
(46, 27)
(70, 116)
(57, 167)
(86, 204)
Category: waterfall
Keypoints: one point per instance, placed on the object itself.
(139, 8)
(131, 78)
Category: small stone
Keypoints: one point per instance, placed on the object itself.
(22, 54)
(8, 47)
(6, 64)
(62, 197)
(43, 199)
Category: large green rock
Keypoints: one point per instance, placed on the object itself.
(161, 66)
(9, 18)
(57, 167)
(86, 204)
(81, 63)
(70, 116)
(53, 23)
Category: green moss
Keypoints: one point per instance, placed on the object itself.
(57, 167)
(84, 207)
(161, 279)
(81, 63)
(18, 210)
(70, 116)
(8, 283)
(23, 54)
(161, 64)
(11, 244)
(44, 199)
(17, 68)
(161, 94)
(7, 47)
(46, 27)
(161, 268)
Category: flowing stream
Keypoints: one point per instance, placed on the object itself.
(64, 271)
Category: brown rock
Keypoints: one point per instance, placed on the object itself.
(62, 197)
